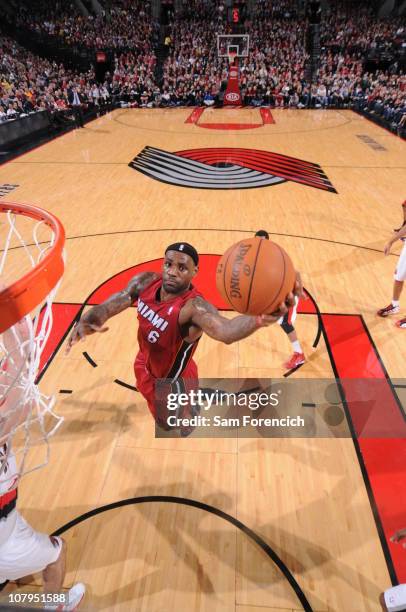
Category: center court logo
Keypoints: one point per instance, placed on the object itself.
(227, 168)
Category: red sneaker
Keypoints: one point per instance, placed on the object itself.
(296, 360)
(401, 323)
(388, 310)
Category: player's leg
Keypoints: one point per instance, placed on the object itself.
(155, 395)
(397, 290)
(394, 306)
(26, 552)
(400, 277)
(404, 217)
(186, 383)
(54, 573)
(298, 357)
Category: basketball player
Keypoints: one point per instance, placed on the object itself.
(24, 551)
(404, 216)
(400, 273)
(394, 599)
(172, 317)
(286, 323)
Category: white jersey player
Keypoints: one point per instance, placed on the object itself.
(400, 273)
(24, 551)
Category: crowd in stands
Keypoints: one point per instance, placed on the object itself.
(123, 24)
(193, 69)
(132, 76)
(350, 36)
(356, 28)
(29, 84)
(273, 73)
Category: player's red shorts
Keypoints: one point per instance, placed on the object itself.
(146, 386)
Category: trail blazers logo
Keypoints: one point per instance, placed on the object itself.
(227, 168)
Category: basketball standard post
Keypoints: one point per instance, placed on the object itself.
(31, 239)
(233, 46)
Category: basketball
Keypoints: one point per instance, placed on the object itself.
(254, 276)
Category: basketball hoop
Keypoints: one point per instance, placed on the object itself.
(31, 265)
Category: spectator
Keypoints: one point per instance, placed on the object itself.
(272, 72)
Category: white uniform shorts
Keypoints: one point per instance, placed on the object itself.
(400, 272)
(26, 551)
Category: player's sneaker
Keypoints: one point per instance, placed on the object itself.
(388, 310)
(75, 596)
(295, 361)
(401, 323)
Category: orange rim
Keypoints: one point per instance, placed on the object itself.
(24, 295)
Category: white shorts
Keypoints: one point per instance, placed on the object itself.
(26, 551)
(400, 272)
(291, 315)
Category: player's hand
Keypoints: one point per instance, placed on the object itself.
(387, 247)
(82, 329)
(298, 288)
(283, 308)
(398, 536)
(268, 319)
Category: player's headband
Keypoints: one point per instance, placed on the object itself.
(184, 247)
(262, 234)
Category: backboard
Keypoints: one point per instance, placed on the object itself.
(233, 43)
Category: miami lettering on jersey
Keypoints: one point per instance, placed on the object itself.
(149, 314)
(164, 350)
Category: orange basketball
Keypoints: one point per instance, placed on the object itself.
(255, 275)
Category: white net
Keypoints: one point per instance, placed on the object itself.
(27, 417)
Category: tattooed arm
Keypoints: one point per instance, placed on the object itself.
(201, 315)
(198, 315)
(94, 320)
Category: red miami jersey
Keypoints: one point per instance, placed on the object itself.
(165, 352)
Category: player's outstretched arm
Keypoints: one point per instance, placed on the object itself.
(94, 320)
(204, 315)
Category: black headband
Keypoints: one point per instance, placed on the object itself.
(262, 234)
(184, 247)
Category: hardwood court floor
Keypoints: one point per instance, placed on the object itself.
(306, 498)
